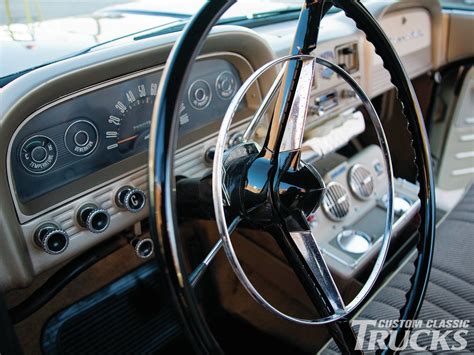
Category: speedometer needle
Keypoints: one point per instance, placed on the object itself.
(127, 139)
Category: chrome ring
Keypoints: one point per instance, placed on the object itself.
(217, 178)
(341, 212)
(357, 189)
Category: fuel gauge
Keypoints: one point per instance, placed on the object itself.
(200, 94)
(226, 85)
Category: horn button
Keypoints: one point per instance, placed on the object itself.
(262, 187)
(300, 189)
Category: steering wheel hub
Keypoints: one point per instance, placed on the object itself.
(264, 188)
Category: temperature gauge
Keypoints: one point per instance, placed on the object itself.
(38, 154)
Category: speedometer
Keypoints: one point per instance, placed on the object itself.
(129, 123)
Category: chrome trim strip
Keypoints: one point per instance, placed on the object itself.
(464, 155)
(461, 172)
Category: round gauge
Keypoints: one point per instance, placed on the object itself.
(226, 85)
(38, 154)
(81, 138)
(128, 128)
(200, 94)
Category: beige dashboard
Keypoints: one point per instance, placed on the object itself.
(410, 34)
(22, 257)
(410, 30)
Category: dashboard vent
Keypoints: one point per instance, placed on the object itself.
(361, 181)
(336, 201)
(347, 57)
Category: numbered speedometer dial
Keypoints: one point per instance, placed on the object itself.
(128, 128)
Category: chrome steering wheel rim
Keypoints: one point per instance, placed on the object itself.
(218, 196)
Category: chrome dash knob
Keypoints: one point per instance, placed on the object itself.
(52, 239)
(143, 247)
(132, 199)
(94, 218)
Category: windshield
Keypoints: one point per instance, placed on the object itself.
(34, 33)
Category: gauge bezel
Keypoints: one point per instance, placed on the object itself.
(351, 182)
(210, 95)
(52, 164)
(217, 90)
(96, 132)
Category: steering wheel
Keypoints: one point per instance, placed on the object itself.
(270, 187)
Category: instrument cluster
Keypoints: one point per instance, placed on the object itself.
(102, 126)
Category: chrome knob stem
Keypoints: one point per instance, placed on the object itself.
(132, 199)
(51, 239)
(95, 219)
(143, 247)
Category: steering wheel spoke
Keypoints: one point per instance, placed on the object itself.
(307, 246)
(202, 267)
(300, 247)
(286, 130)
(263, 108)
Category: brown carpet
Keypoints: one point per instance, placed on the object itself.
(99, 275)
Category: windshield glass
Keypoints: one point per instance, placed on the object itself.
(37, 32)
(458, 4)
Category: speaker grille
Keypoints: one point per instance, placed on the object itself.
(361, 181)
(336, 202)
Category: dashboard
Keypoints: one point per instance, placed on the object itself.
(75, 134)
(91, 130)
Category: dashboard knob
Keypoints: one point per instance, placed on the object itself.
(143, 247)
(236, 139)
(52, 239)
(132, 199)
(209, 154)
(93, 218)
